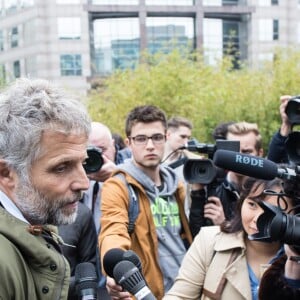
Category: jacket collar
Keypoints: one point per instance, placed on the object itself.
(230, 241)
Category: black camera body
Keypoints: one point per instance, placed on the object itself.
(203, 170)
(94, 161)
(275, 224)
(293, 110)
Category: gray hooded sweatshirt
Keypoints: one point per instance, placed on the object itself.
(166, 218)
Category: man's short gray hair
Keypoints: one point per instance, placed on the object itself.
(28, 108)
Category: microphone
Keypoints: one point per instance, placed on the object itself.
(110, 259)
(250, 165)
(130, 278)
(131, 256)
(115, 255)
(86, 281)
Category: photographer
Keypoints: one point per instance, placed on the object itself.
(277, 151)
(282, 279)
(214, 208)
(222, 262)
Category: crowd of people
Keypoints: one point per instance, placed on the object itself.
(193, 240)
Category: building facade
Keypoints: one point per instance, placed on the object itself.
(73, 41)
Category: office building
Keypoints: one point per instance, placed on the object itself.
(72, 42)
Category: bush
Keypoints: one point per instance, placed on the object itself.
(181, 84)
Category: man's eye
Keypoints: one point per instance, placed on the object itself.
(140, 138)
(61, 168)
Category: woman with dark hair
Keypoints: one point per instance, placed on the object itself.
(222, 262)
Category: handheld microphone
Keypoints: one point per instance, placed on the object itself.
(115, 255)
(110, 259)
(130, 278)
(86, 281)
(250, 165)
(131, 256)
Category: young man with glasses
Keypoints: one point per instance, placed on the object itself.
(161, 225)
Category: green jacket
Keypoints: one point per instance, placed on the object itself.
(31, 267)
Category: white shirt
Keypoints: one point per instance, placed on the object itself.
(10, 207)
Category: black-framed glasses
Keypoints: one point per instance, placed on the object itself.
(142, 139)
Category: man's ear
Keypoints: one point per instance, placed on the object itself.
(7, 175)
(127, 141)
(261, 152)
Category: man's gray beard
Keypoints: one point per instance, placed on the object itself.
(38, 209)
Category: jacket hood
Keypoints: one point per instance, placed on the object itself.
(169, 178)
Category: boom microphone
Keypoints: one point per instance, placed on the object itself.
(130, 278)
(86, 281)
(250, 165)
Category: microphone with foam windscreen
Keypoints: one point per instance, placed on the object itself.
(130, 278)
(130, 255)
(115, 255)
(110, 259)
(86, 281)
(250, 165)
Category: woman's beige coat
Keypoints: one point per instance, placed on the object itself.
(214, 267)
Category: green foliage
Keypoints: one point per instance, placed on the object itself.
(182, 84)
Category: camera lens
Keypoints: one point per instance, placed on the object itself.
(94, 162)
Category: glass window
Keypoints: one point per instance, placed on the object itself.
(26, 3)
(275, 30)
(17, 69)
(117, 2)
(267, 2)
(69, 28)
(212, 40)
(230, 2)
(167, 33)
(10, 6)
(30, 32)
(212, 2)
(1, 41)
(70, 65)
(68, 1)
(231, 43)
(265, 30)
(31, 66)
(14, 37)
(169, 2)
(117, 44)
(298, 32)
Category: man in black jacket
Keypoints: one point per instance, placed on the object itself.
(80, 243)
(220, 206)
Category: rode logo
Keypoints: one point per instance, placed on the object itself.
(250, 161)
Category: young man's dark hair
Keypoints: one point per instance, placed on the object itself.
(144, 114)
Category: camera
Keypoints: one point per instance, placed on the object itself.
(293, 110)
(203, 170)
(276, 225)
(94, 161)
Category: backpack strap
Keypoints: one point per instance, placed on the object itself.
(133, 206)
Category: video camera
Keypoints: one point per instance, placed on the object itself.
(203, 170)
(274, 224)
(94, 161)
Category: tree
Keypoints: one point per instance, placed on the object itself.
(182, 84)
